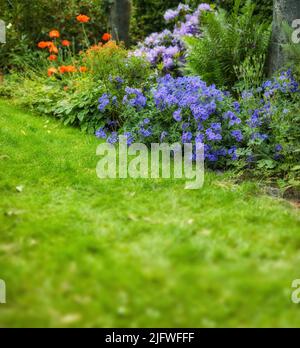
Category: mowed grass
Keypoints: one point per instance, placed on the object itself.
(76, 251)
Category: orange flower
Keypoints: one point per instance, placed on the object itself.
(43, 44)
(62, 69)
(52, 71)
(52, 48)
(53, 57)
(67, 69)
(83, 19)
(54, 34)
(106, 37)
(66, 43)
(71, 68)
(83, 69)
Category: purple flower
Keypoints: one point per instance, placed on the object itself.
(247, 95)
(135, 98)
(129, 137)
(237, 134)
(177, 116)
(259, 136)
(101, 134)
(119, 80)
(103, 102)
(145, 132)
(113, 138)
(233, 119)
(233, 153)
(170, 15)
(255, 120)
(163, 135)
(199, 138)
(204, 7)
(168, 63)
(212, 157)
(213, 135)
(173, 14)
(216, 127)
(187, 137)
(237, 106)
(162, 47)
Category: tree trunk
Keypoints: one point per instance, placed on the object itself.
(283, 11)
(120, 20)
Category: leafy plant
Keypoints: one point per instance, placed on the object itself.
(228, 42)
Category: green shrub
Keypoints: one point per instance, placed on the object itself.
(73, 97)
(263, 9)
(232, 45)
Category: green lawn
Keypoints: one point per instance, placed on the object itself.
(78, 251)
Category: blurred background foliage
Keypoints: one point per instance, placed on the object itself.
(32, 20)
(147, 16)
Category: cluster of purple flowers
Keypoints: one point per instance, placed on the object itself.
(167, 48)
(187, 92)
(135, 98)
(196, 106)
(197, 113)
(171, 15)
(261, 117)
(285, 83)
(105, 100)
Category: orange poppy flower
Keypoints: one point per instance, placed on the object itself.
(106, 37)
(52, 71)
(43, 44)
(83, 18)
(54, 34)
(67, 69)
(62, 69)
(83, 69)
(66, 43)
(71, 68)
(53, 48)
(52, 57)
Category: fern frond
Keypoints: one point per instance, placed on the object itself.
(227, 42)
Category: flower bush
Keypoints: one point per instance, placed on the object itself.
(166, 50)
(73, 83)
(251, 132)
(60, 50)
